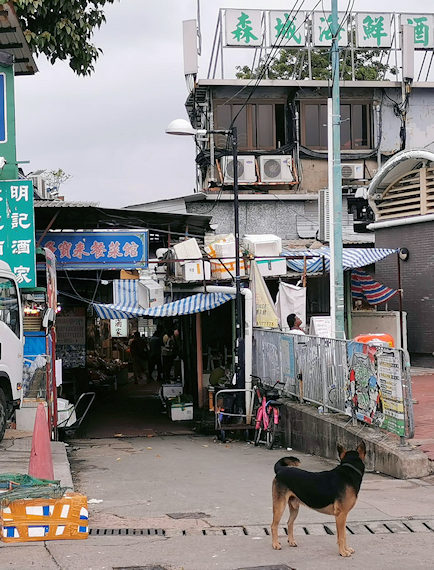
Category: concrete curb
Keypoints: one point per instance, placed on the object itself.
(15, 455)
(318, 434)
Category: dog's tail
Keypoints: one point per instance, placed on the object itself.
(286, 462)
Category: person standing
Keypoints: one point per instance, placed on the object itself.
(168, 353)
(294, 324)
(139, 356)
(155, 344)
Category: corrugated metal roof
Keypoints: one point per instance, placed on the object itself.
(60, 215)
(12, 41)
(63, 204)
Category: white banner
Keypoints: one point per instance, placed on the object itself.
(291, 299)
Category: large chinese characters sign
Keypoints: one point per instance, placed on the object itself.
(17, 230)
(294, 28)
(109, 250)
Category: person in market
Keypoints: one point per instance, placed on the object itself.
(294, 324)
(139, 356)
(155, 344)
(168, 354)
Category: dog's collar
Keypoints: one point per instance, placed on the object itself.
(352, 467)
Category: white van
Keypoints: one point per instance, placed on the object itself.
(11, 345)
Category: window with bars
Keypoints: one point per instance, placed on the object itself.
(356, 125)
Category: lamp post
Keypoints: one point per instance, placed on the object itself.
(184, 128)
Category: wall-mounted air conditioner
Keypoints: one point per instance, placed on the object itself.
(324, 215)
(352, 171)
(246, 169)
(276, 168)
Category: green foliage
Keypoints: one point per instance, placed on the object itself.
(293, 64)
(55, 178)
(63, 29)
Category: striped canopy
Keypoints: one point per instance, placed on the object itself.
(352, 258)
(187, 306)
(363, 286)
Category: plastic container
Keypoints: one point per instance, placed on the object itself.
(181, 411)
(382, 339)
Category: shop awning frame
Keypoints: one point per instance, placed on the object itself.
(352, 258)
(198, 303)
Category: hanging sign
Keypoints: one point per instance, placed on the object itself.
(99, 250)
(17, 230)
(119, 328)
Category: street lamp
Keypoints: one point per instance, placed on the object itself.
(184, 128)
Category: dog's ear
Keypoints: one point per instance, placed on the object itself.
(341, 451)
(361, 450)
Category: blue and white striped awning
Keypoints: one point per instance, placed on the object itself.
(187, 306)
(352, 258)
(125, 293)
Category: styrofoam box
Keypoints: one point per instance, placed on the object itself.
(263, 245)
(187, 249)
(218, 270)
(171, 390)
(272, 267)
(182, 411)
(225, 249)
(193, 270)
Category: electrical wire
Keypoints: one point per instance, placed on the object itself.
(271, 56)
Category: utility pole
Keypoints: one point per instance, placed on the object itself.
(337, 277)
(239, 346)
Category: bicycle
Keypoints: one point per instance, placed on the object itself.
(267, 414)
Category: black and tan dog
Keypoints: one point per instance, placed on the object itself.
(331, 492)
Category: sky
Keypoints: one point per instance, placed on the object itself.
(108, 130)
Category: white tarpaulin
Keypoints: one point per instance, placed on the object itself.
(291, 299)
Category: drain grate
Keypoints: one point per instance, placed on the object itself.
(126, 531)
(403, 526)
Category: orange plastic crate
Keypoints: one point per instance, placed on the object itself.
(28, 520)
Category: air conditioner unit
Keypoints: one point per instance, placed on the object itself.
(352, 171)
(324, 215)
(246, 169)
(276, 168)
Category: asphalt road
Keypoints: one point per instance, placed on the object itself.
(191, 503)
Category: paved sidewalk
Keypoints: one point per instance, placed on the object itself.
(423, 397)
(15, 454)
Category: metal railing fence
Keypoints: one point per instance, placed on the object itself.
(369, 383)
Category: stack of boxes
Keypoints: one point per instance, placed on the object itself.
(224, 250)
(266, 249)
(191, 270)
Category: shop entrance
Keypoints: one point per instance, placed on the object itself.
(136, 397)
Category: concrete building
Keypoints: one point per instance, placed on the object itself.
(282, 134)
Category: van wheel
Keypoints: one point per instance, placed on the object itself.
(3, 414)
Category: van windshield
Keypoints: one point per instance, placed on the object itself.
(9, 307)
